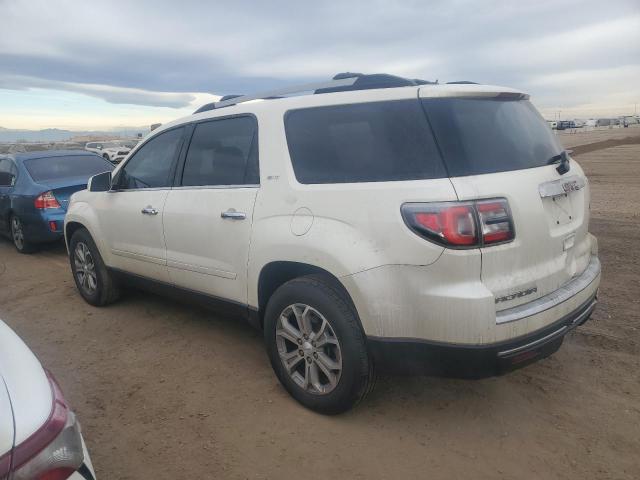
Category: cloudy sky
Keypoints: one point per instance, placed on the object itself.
(94, 65)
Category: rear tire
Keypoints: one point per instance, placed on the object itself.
(311, 325)
(17, 236)
(93, 280)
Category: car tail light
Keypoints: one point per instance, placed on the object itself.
(54, 451)
(495, 221)
(46, 200)
(461, 224)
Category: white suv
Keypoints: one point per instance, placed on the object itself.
(378, 224)
(114, 152)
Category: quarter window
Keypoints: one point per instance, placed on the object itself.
(365, 142)
(223, 152)
(152, 164)
(8, 172)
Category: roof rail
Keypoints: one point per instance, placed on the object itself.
(229, 97)
(462, 82)
(342, 82)
(278, 93)
(375, 80)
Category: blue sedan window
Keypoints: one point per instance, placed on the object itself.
(56, 168)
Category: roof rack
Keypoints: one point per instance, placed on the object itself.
(341, 82)
(276, 93)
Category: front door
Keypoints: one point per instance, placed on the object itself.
(131, 213)
(8, 174)
(208, 216)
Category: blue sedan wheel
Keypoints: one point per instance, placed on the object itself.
(17, 235)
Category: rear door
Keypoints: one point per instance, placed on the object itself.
(498, 146)
(131, 213)
(208, 215)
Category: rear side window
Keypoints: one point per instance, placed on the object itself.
(57, 168)
(152, 164)
(223, 152)
(8, 173)
(479, 136)
(365, 142)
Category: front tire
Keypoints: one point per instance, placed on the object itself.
(94, 282)
(316, 346)
(17, 236)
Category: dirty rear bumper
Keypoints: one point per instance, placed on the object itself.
(422, 357)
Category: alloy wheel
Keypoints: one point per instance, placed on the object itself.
(17, 233)
(85, 268)
(309, 349)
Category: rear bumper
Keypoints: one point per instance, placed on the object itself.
(413, 356)
(37, 227)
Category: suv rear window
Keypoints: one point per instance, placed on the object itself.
(365, 142)
(479, 136)
(56, 168)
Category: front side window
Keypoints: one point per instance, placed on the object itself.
(364, 142)
(152, 165)
(223, 152)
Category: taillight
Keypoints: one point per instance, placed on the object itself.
(461, 224)
(495, 221)
(46, 200)
(54, 451)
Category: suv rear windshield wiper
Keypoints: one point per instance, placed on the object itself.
(557, 158)
(563, 159)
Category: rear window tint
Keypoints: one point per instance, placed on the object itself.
(56, 168)
(365, 142)
(479, 136)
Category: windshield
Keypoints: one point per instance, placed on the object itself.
(57, 168)
(479, 136)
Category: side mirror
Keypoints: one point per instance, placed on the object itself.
(99, 147)
(100, 182)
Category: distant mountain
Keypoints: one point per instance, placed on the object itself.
(57, 135)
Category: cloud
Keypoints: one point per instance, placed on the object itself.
(110, 94)
(124, 51)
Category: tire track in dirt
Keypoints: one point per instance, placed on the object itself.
(592, 147)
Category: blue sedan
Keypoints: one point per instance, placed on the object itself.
(35, 188)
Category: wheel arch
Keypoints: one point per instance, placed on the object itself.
(69, 229)
(276, 273)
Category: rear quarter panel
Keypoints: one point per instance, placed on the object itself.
(342, 228)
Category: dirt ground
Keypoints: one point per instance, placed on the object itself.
(168, 391)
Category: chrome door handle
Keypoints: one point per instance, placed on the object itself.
(233, 215)
(149, 211)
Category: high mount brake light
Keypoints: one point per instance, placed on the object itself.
(461, 224)
(54, 451)
(46, 200)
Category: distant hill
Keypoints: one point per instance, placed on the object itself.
(57, 135)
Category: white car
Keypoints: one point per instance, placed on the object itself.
(379, 223)
(39, 433)
(113, 152)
